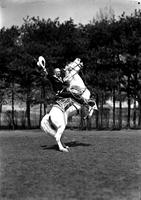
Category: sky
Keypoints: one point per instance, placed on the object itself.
(12, 12)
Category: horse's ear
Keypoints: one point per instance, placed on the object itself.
(77, 60)
(81, 63)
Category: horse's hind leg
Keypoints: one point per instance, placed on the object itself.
(58, 139)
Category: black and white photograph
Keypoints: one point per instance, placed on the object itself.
(70, 99)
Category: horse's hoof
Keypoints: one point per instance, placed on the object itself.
(64, 150)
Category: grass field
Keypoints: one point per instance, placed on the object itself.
(101, 165)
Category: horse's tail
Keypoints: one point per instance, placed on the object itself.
(47, 126)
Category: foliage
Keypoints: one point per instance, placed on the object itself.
(98, 44)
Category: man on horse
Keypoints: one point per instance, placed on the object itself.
(59, 86)
(56, 120)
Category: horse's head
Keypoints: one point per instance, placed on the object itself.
(76, 65)
(72, 69)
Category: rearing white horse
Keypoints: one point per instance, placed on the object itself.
(76, 84)
(54, 123)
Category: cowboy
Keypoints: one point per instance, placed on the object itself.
(56, 80)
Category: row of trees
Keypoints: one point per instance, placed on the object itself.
(109, 48)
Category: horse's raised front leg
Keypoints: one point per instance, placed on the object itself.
(58, 139)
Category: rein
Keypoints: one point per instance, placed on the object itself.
(77, 65)
(73, 68)
(81, 91)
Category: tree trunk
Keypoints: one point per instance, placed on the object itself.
(139, 121)
(88, 123)
(41, 96)
(134, 113)
(97, 113)
(101, 117)
(40, 118)
(13, 122)
(28, 108)
(114, 107)
(120, 110)
(82, 120)
(0, 114)
(44, 97)
(129, 113)
(129, 104)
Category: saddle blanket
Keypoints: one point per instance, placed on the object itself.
(64, 103)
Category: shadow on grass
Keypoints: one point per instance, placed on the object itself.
(69, 144)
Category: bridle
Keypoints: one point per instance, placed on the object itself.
(77, 65)
(74, 68)
(80, 65)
